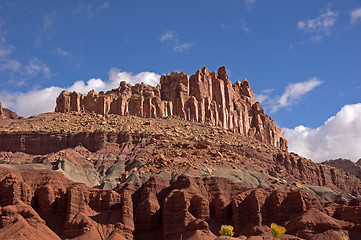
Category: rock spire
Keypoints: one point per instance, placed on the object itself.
(205, 97)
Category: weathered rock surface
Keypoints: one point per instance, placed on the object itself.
(169, 179)
(41, 204)
(7, 114)
(205, 97)
(347, 165)
(102, 151)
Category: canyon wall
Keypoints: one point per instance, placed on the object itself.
(205, 97)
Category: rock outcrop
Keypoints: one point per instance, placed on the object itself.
(205, 97)
(347, 165)
(41, 204)
(7, 114)
(98, 150)
(83, 175)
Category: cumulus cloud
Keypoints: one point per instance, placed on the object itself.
(174, 42)
(291, 96)
(150, 78)
(338, 137)
(31, 103)
(43, 100)
(355, 16)
(319, 26)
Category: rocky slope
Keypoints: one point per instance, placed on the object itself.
(205, 97)
(86, 174)
(347, 165)
(169, 178)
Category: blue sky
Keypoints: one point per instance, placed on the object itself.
(302, 58)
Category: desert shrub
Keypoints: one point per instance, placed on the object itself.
(277, 231)
(226, 230)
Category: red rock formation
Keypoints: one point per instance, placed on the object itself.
(41, 204)
(347, 165)
(7, 114)
(204, 97)
(172, 153)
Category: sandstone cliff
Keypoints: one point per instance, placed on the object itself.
(205, 97)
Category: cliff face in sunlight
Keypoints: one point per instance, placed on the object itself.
(205, 97)
(176, 161)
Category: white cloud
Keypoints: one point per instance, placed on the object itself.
(244, 25)
(105, 5)
(355, 16)
(172, 40)
(9, 65)
(149, 78)
(90, 10)
(168, 35)
(20, 73)
(62, 53)
(18, 70)
(248, 2)
(48, 21)
(181, 47)
(264, 95)
(36, 67)
(338, 137)
(5, 49)
(43, 100)
(295, 91)
(240, 23)
(291, 96)
(48, 30)
(31, 103)
(321, 25)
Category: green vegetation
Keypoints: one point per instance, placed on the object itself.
(277, 231)
(226, 230)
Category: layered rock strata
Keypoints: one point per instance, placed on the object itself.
(90, 144)
(347, 165)
(41, 204)
(205, 97)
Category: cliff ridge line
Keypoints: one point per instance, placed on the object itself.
(205, 97)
